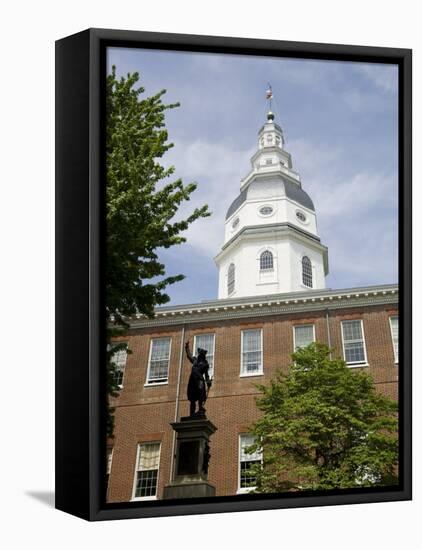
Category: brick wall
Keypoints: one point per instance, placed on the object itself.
(143, 412)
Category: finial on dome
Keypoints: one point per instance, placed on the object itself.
(269, 97)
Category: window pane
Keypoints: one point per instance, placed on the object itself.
(119, 359)
(118, 377)
(304, 335)
(247, 441)
(354, 346)
(252, 361)
(354, 352)
(251, 340)
(147, 470)
(149, 456)
(160, 354)
(109, 460)
(146, 483)
(251, 353)
(246, 479)
(352, 330)
(231, 279)
(394, 321)
(247, 461)
(266, 260)
(306, 271)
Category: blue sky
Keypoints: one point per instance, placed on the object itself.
(340, 124)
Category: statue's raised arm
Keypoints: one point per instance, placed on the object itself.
(188, 352)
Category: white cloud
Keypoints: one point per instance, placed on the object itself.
(217, 169)
(352, 197)
(384, 77)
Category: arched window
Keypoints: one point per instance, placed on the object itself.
(306, 271)
(230, 279)
(266, 260)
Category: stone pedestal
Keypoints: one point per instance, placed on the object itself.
(192, 456)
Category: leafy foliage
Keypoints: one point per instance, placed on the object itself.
(140, 207)
(324, 426)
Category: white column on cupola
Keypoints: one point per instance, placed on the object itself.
(271, 243)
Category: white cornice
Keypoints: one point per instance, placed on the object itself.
(272, 170)
(273, 304)
(283, 230)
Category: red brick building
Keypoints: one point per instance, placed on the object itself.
(247, 338)
(271, 300)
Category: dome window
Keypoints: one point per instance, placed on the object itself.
(235, 223)
(306, 271)
(301, 216)
(230, 279)
(266, 210)
(266, 261)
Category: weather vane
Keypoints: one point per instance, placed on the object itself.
(269, 94)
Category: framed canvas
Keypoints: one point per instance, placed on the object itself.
(233, 274)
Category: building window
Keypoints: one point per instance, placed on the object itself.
(268, 161)
(109, 463)
(303, 335)
(119, 359)
(306, 271)
(300, 216)
(353, 342)
(266, 210)
(159, 357)
(235, 223)
(251, 360)
(231, 279)
(247, 481)
(266, 261)
(206, 341)
(394, 325)
(146, 477)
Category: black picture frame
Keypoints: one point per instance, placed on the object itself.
(80, 77)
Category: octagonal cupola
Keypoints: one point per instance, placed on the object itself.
(271, 242)
(271, 134)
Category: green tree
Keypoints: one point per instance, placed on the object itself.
(140, 207)
(324, 426)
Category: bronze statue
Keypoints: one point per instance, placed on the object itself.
(197, 392)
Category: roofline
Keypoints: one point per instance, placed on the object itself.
(271, 304)
(277, 170)
(262, 228)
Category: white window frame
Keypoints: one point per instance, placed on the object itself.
(266, 206)
(300, 326)
(302, 272)
(113, 344)
(396, 353)
(266, 269)
(138, 450)
(148, 384)
(353, 364)
(230, 293)
(242, 490)
(211, 371)
(261, 371)
(109, 464)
